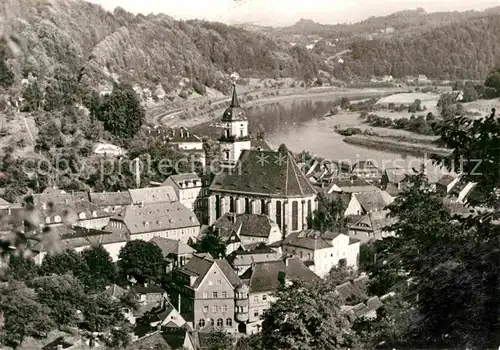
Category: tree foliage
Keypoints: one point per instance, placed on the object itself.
(24, 316)
(6, 75)
(211, 243)
(493, 82)
(100, 269)
(141, 260)
(219, 339)
(329, 216)
(306, 315)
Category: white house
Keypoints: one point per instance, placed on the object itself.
(322, 252)
(107, 149)
(187, 187)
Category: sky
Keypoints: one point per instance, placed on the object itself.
(286, 12)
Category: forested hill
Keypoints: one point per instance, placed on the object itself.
(466, 50)
(83, 37)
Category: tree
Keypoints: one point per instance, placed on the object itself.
(282, 148)
(470, 92)
(219, 339)
(121, 112)
(329, 216)
(344, 103)
(493, 82)
(103, 315)
(142, 261)
(6, 75)
(68, 261)
(21, 269)
(306, 315)
(33, 97)
(24, 316)
(100, 268)
(211, 243)
(64, 295)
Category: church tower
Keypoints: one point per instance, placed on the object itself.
(235, 138)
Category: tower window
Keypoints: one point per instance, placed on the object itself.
(227, 132)
(226, 155)
(241, 132)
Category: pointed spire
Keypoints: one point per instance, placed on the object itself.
(234, 99)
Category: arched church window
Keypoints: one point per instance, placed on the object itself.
(278, 213)
(263, 209)
(247, 206)
(231, 204)
(295, 216)
(217, 206)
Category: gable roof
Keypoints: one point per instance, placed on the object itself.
(260, 145)
(153, 194)
(396, 175)
(156, 217)
(374, 201)
(353, 185)
(252, 225)
(199, 265)
(261, 253)
(266, 173)
(264, 276)
(77, 237)
(115, 291)
(3, 203)
(181, 178)
(166, 339)
(374, 221)
(104, 199)
(172, 246)
(308, 239)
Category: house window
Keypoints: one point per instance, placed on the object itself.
(247, 206)
(205, 308)
(256, 313)
(219, 282)
(201, 323)
(214, 308)
(212, 322)
(278, 213)
(264, 297)
(229, 322)
(220, 322)
(210, 283)
(256, 299)
(295, 216)
(224, 294)
(214, 295)
(224, 308)
(217, 206)
(205, 295)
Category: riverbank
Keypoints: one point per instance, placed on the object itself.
(387, 144)
(177, 117)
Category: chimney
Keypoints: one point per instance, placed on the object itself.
(286, 260)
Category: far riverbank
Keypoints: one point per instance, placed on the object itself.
(176, 119)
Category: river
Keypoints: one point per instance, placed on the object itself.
(298, 124)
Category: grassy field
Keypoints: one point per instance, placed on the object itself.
(428, 99)
(18, 131)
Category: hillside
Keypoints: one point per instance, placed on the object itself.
(102, 46)
(447, 45)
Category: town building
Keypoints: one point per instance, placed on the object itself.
(446, 183)
(166, 220)
(250, 229)
(235, 137)
(78, 239)
(206, 291)
(150, 195)
(346, 186)
(367, 170)
(264, 278)
(176, 252)
(394, 180)
(372, 226)
(57, 207)
(241, 260)
(111, 202)
(323, 251)
(189, 191)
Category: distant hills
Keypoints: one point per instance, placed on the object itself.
(100, 46)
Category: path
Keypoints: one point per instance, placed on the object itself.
(28, 128)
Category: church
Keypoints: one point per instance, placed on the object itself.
(258, 181)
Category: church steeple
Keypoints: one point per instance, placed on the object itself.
(234, 99)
